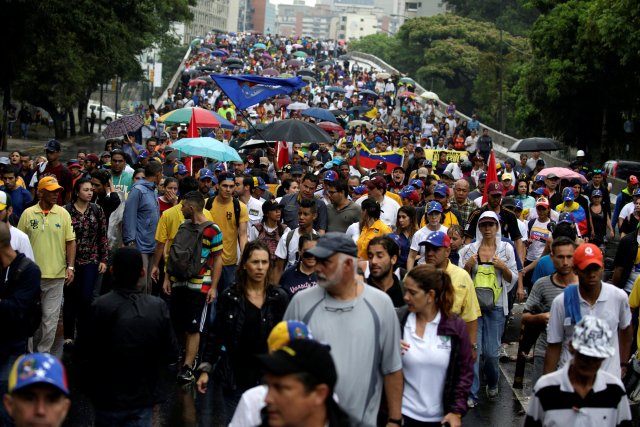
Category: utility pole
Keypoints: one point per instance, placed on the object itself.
(500, 68)
(100, 112)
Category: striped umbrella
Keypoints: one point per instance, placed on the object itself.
(203, 118)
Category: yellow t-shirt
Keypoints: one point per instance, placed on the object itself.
(378, 228)
(224, 218)
(634, 302)
(169, 223)
(394, 196)
(449, 219)
(48, 235)
(465, 301)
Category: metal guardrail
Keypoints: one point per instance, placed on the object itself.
(501, 141)
(159, 101)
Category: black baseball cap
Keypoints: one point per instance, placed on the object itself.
(332, 243)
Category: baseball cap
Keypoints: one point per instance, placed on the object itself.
(4, 160)
(296, 170)
(105, 154)
(592, 337)
(258, 182)
(542, 191)
(220, 167)
(568, 194)
(180, 169)
(488, 216)
(360, 189)
(482, 177)
(205, 173)
(449, 175)
(434, 206)
(92, 158)
(427, 164)
(52, 145)
(506, 176)
(143, 154)
(416, 183)
(567, 218)
(587, 254)
(264, 161)
(398, 168)
(410, 193)
(441, 189)
(438, 239)
(543, 201)
(552, 176)
(633, 179)
(330, 176)
(519, 204)
(270, 205)
(38, 368)
(423, 172)
(332, 243)
(73, 163)
(636, 192)
(378, 139)
(539, 178)
(285, 332)
(597, 193)
(377, 182)
(306, 356)
(49, 183)
(5, 200)
(494, 187)
(381, 165)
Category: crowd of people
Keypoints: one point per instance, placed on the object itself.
(370, 296)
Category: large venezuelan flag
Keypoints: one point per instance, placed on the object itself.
(369, 160)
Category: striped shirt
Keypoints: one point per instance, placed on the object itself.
(555, 402)
(211, 248)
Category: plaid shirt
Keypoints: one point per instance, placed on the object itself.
(465, 209)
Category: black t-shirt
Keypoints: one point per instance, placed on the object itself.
(247, 371)
(293, 280)
(394, 292)
(508, 224)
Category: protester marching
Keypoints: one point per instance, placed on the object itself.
(305, 242)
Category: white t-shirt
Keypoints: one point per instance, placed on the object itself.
(389, 210)
(626, 210)
(454, 169)
(353, 231)
(254, 208)
(420, 236)
(538, 239)
(20, 242)
(291, 255)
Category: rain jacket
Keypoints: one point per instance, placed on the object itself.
(141, 215)
(579, 216)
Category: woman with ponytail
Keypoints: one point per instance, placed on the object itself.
(436, 352)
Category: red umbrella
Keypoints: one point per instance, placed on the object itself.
(331, 127)
(197, 82)
(407, 94)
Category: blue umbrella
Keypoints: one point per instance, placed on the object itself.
(207, 147)
(219, 53)
(335, 89)
(259, 46)
(204, 50)
(320, 113)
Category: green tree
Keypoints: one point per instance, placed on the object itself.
(514, 16)
(63, 50)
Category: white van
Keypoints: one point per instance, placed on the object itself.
(108, 115)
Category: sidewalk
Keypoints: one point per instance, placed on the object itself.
(34, 145)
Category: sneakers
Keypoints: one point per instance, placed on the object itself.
(471, 403)
(185, 375)
(492, 393)
(504, 356)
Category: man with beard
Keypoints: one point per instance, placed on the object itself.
(336, 310)
(383, 255)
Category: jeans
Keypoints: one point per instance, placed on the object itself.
(490, 327)
(538, 369)
(78, 297)
(5, 368)
(144, 283)
(51, 297)
(139, 417)
(24, 127)
(217, 406)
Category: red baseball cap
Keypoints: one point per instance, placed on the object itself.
(494, 187)
(587, 254)
(377, 182)
(633, 180)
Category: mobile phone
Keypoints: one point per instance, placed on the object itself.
(352, 153)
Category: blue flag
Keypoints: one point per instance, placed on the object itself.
(247, 89)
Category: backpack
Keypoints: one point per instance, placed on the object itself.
(533, 221)
(184, 260)
(488, 289)
(288, 241)
(236, 208)
(270, 239)
(29, 320)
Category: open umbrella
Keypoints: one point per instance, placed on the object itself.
(207, 147)
(121, 126)
(407, 94)
(361, 109)
(204, 50)
(325, 63)
(354, 123)
(427, 94)
(308, 79)
(291, 130)
(204, 118)
(408, 81)
(335, 89)
(219, 53)
(256, 143)
(299, 54)
(533, 144)
(331, 127)
(296, 46)
(338, 113)
(298, 106)
(196, 41)
(563, 173)
(266, 56)
(197, 82)
(235, 66)
(320, 114)
(270, 72)
(294, 63)
(285, 75)
(207, 79)
(306, 72)
(259, 46)
(383, 76)
(367, 92)
(282, 101)
(233, 60)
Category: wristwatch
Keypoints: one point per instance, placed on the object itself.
(397, 421)
(70, 268)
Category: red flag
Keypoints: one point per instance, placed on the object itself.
(492, 175)
(282, 153)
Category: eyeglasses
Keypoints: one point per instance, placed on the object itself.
(339, 309)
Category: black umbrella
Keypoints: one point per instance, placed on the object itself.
(235, 67)
(291, 130)
(325, 63)
(360, 109)
(338, 112)
(367, 92)
(533, 144)
(233, 60)
(306, 72)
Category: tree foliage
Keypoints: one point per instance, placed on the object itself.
(513, 16)
(58, 51)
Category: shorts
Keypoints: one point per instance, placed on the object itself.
(188, 310)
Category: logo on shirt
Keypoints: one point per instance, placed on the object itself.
(229, 216)
(34, 224)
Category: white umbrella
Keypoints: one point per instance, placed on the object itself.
(297, 106)
(383, 76)
(427, 94)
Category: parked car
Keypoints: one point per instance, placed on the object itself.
(621, 169)
(108, 115)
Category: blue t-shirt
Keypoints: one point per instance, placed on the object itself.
(543, 268)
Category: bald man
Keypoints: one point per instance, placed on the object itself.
(460, 200)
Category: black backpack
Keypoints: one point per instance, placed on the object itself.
(184, 260)
(236, 208)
